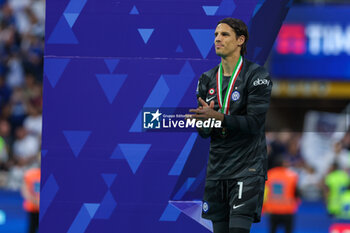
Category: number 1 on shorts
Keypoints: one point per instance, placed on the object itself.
(240, 189)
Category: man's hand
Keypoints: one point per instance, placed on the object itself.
(206, 111)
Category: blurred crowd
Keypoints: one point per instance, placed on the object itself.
(21, 72)
(320, 176)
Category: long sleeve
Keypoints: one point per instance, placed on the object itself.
(258, 100)
(201, 91)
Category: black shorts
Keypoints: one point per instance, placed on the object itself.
(223, 199)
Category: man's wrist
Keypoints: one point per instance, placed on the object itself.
(219, 116)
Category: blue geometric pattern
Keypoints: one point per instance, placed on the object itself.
(91, 208)
(185, 187)
(62, 34)
(210, 10)
(71, 18)
(134, 154)
(82, 220)
(167, 92)
(109, 178)
(76, 140)
(178, 85)
(43, 153)
(96, 211)
(155, 99)
(158, 94)
(258, 6)
(117, 153)
(179, 49)
(48, 193)
(257, 51)
(193, 209)
(134, 11)
(107, 207)
(170, 214)
(141, 54)
(137, 125)
(204, 39)
(199, 179)
(111, 84)
(74, 8)
(54, 68)
(226, 8)
(145, 33)
(111, 64)
(181, 160)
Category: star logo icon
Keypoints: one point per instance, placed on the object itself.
(152, 119)
(156, 115)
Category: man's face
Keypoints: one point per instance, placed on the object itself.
(226, 42)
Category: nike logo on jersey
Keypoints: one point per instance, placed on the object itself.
(261, 82)
(237, 206)
(209, 99)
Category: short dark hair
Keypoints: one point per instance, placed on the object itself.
(240, 29)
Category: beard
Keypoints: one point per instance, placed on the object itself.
(220, 54)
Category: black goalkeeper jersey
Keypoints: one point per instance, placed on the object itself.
(242, 152)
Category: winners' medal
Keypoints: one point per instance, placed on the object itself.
(223, 133)
(224, 105)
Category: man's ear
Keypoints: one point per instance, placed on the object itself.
(241, 39)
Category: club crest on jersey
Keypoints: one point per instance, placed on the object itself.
(211, 91)
(235, 96)
(205, 207)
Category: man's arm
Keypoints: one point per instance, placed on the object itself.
(257, 106)
(259, 92)
(201, 92)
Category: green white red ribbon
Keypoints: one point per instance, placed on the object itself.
(225, 105)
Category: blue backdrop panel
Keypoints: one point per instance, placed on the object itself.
(104, 62)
